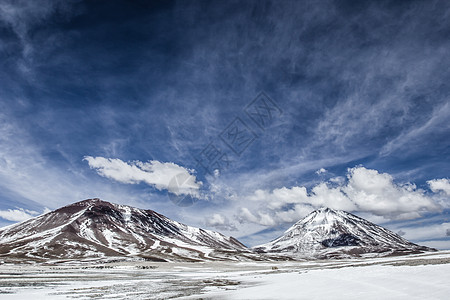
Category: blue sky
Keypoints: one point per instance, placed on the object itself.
(122, 100)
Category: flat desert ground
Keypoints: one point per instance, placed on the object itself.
(422, 276)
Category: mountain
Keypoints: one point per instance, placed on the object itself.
(98, 229)
(327, 233)
(95, 228)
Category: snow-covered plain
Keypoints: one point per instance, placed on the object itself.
(424, 276)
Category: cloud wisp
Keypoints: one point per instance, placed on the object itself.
(24, 16)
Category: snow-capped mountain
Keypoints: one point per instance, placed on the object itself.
(96, 228)
(327, 233)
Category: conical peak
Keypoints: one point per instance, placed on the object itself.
(326, 210)
(322, 212)
(92, 202)
(323, 215)
(84, 204)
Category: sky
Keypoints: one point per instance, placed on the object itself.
(235, 116)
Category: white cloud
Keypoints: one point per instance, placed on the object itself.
(437, 185)
(220, 222)
(364, 191)
(437, 244)
(377, 193)
(425, 232)
(17, 215)
(338, 180)
(245, 215)
(160, 175)
(321, 171)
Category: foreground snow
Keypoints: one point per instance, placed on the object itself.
(412, 277)
(373, 282)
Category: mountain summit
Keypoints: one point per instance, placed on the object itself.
(96, 228)
(328, 233)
